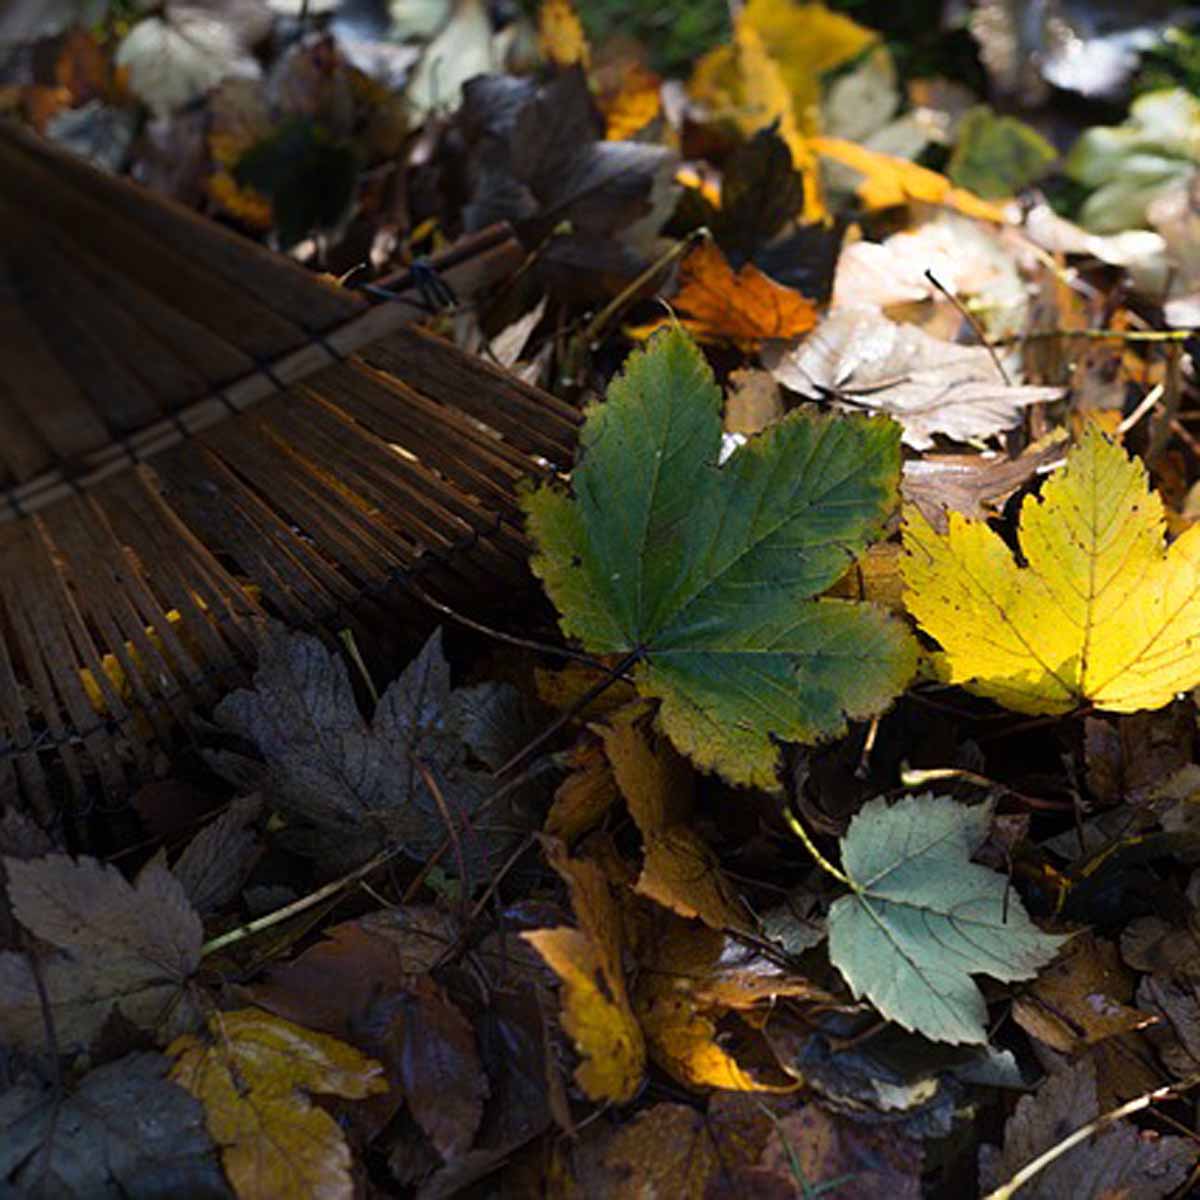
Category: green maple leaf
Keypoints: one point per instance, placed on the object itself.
(711, 572)
(921, 918)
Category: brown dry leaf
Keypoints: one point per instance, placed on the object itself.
(676, 1150)
(679, 871)
(1118, 1161)
(861, 360)
(872, 1162)
(889, 181)
(690, 978)
(560, 34)
(976, 485)
(596, 1012)
(745, 308)
(127, 946)
(1081, 998)
(752, 401)
(255, 1074)
(875, 578)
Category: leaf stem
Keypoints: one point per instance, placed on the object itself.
(291, 910)
(809, 845)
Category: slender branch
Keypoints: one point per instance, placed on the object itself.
(292, 910)
(1030, 1169)
(599, 688)
(969, 317)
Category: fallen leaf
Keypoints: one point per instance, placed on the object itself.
(190, 48)
(690, 979)
(360, 786)
(255, 1075)
(842, 1158)
(596, 1013)
(743, 307)
(679, 871)
(996, 156)
(560, 34)
(709, 572)
(124, 1131)
(132, 947)
(1117, 1161)
(1102, 610)
(677, 1150)
(540, 159)
(219, 859)
(921, 918)
(632, 104)
(861, 360)
(462, 49)
(1081, 998)
(888, 181)
(1129, 166)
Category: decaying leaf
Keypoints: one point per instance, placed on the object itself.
(126, 946)
(596, 1012)
(861, 359)
(1102, 610)
(922, 918)
(539, 158)
(362, 784)
(709, 572)
(255, 1075)
(217, 861)
(124, 1131)
(1117, 1161)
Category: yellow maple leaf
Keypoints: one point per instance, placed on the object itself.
(889, 181)
(254, 1074)
(596, 1013)
(743, 83)
(744, 308)
(1103, 611)
(560, 34)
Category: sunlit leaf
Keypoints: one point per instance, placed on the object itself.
(922, 918)
(888, 181)
(745, 307)
(256, 1075)
(710, 573)
(1100, 610)
(596, 1013)
(560, 34)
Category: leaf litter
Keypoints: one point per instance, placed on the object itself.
(456, 971)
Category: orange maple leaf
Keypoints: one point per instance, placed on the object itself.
(745, 307)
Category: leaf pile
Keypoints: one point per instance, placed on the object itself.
(853, 851)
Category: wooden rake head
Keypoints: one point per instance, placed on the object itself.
(195, 433)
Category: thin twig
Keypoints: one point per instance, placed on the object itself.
(610, 677)
(969, 317)
(1027, 1172)
(294, 909)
